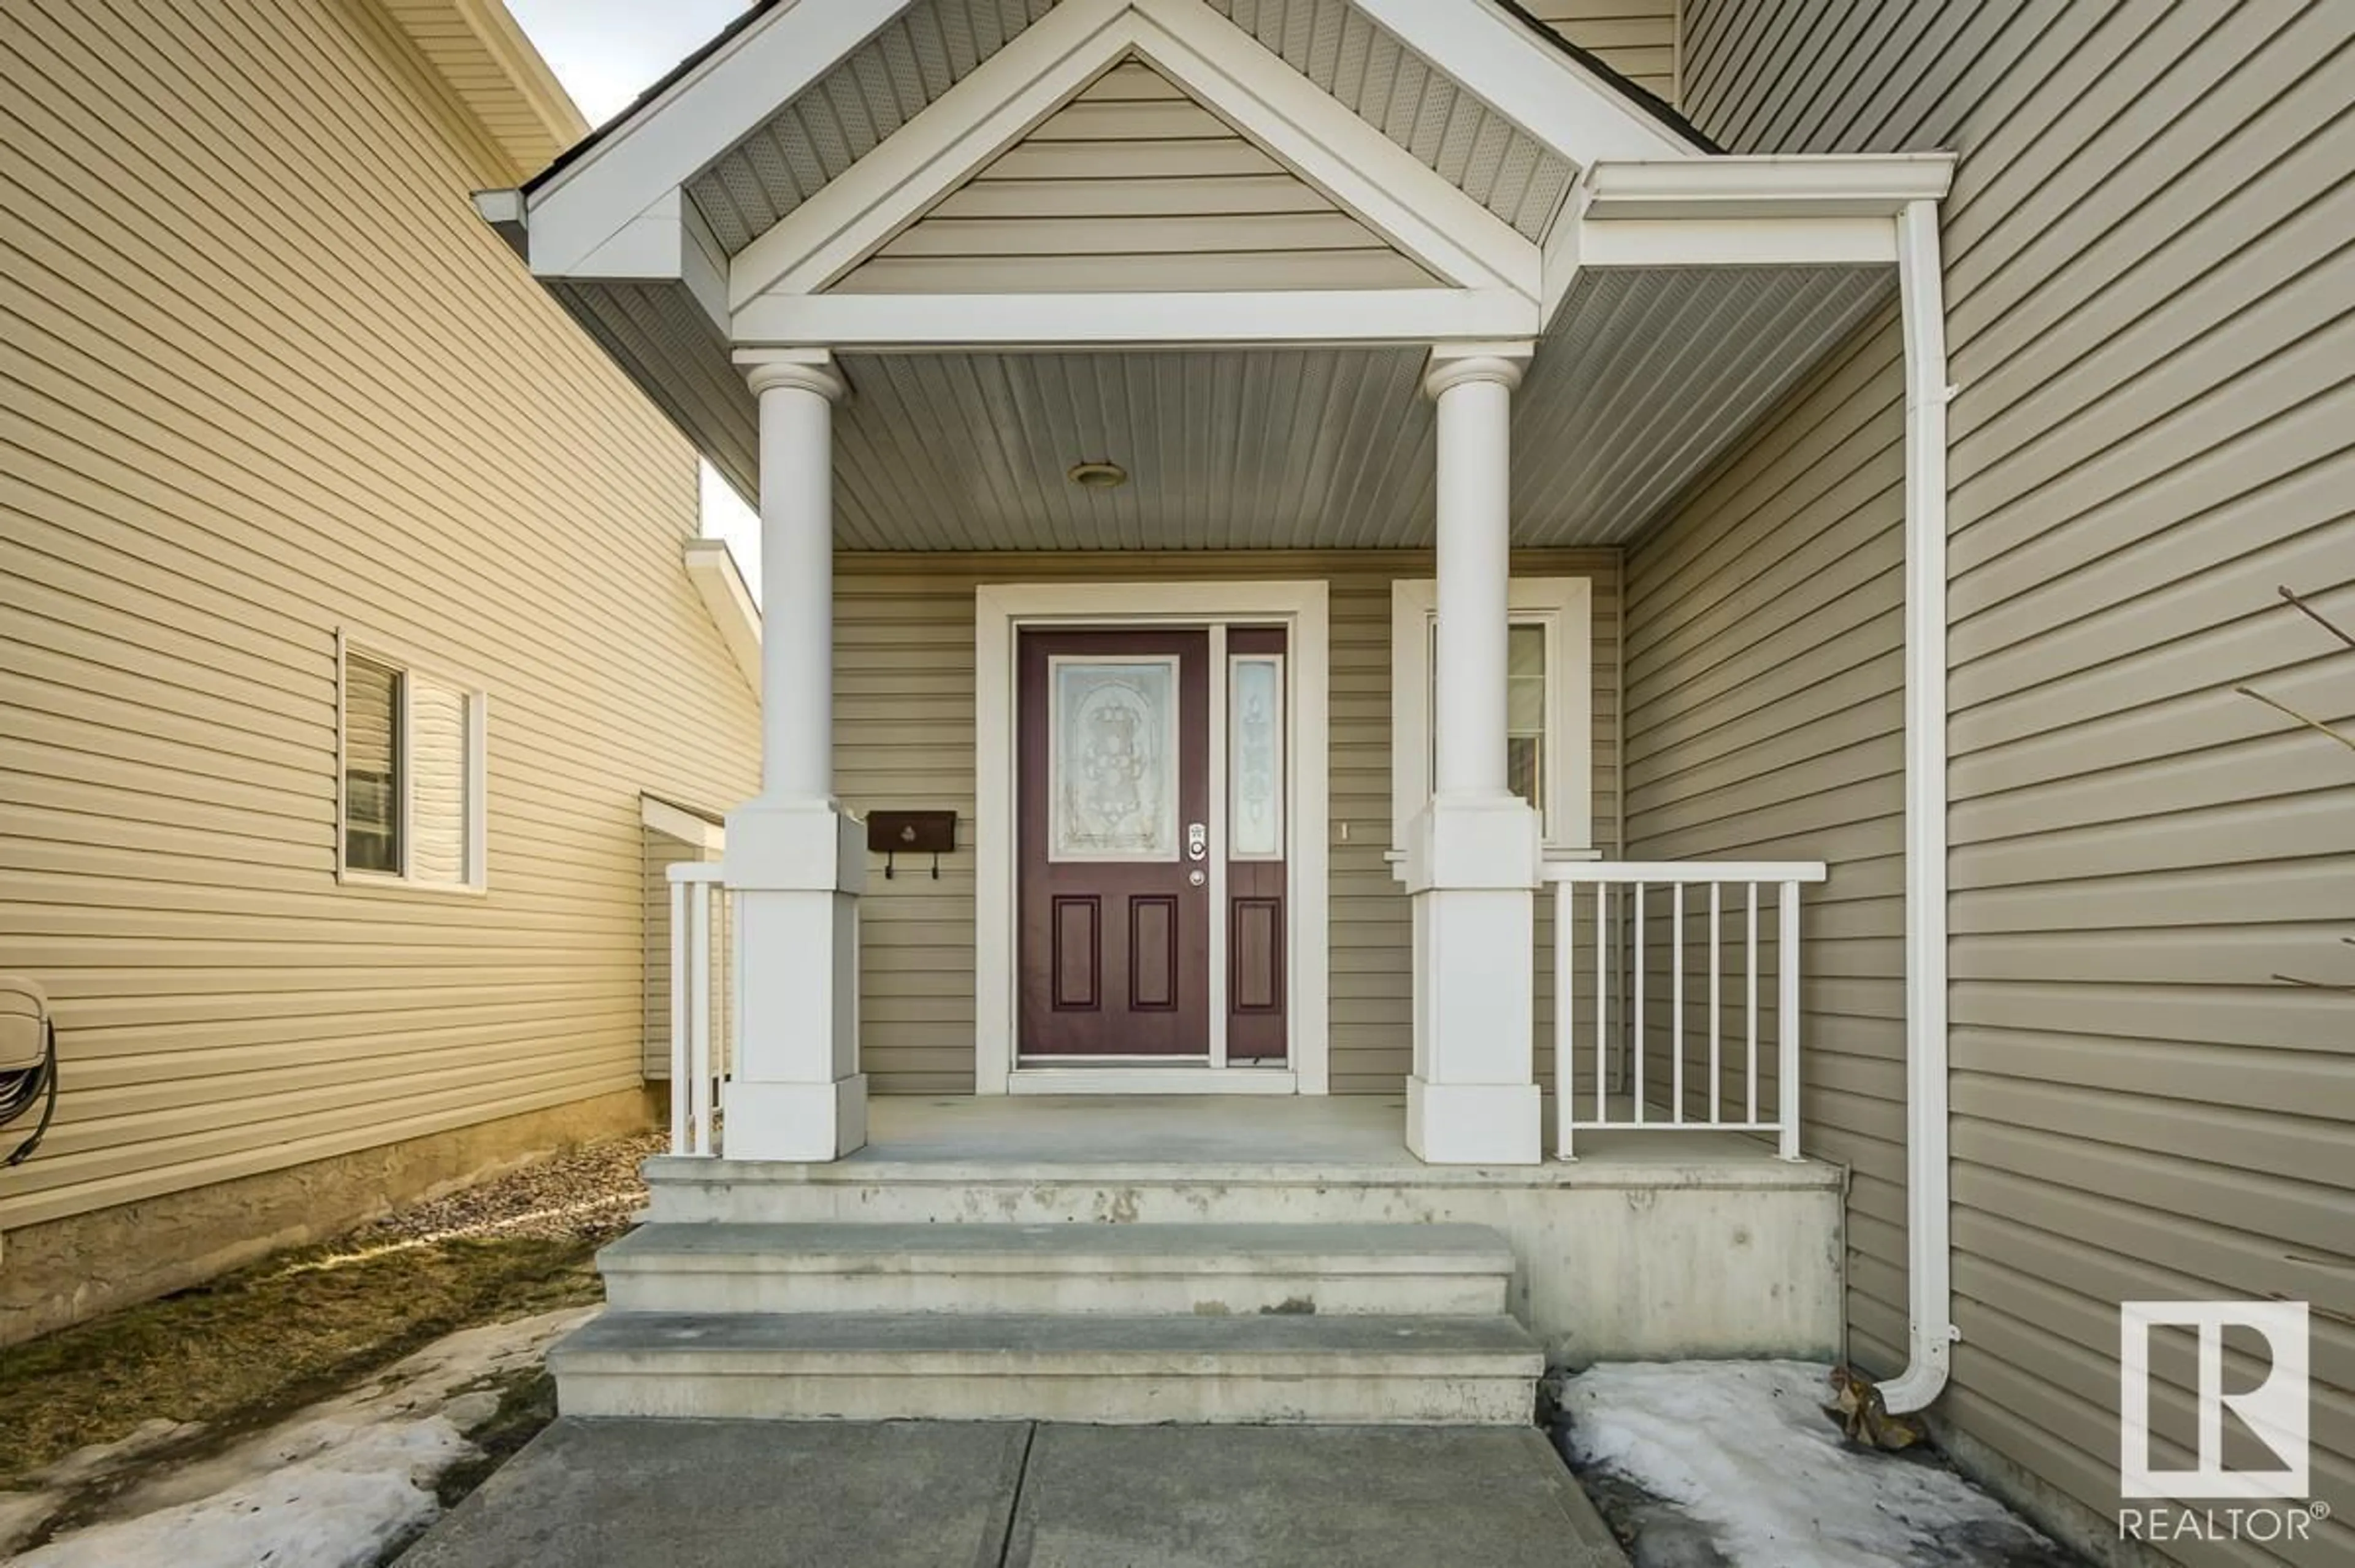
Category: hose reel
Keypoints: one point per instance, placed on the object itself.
(28, 1060)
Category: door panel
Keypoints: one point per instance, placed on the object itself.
(1112, 737)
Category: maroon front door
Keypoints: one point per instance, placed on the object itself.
(1113, 731)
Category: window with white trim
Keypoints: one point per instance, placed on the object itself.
(412, 776)
(1548, 703)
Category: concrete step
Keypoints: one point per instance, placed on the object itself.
(1131, 1270)
(1114, 1371)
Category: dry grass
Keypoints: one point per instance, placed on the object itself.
(245, 1348)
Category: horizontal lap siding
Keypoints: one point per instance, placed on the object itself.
(2150, 290)
(1765, 720)
(268, 378)
(904, 740)
(1133, 185)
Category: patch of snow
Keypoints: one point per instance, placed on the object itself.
(330, 1488)
(1744, 1448)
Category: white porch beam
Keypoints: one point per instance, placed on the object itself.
(1539, 88)
(1828, 210)
(1736, 242)
(1259, 319)
(1861, 185)
(1473, 854)
(699, 117)
(1348, 160)
(795, 862)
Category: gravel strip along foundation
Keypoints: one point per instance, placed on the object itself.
(595, 1187)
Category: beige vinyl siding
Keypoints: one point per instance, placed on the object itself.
(1638, 39)
(905, 741)
(2150, 290)
(1134, 185)
(1765, 720)
(268, 380)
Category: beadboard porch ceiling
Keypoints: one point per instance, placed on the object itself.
(1645, 378)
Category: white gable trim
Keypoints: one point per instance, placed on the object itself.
(1376, 181)
(698, 117)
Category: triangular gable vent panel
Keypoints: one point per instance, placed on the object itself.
(1133, 187)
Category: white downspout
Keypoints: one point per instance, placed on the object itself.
(1929, 1273)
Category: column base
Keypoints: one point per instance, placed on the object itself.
(803, 1123)
(1475, 1124)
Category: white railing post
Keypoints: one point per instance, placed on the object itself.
(699, 1036)
(1565, 1033)
(1635, 1009)
(1786, 970)
(679, 1069)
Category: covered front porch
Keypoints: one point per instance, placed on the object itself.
(1203, 490)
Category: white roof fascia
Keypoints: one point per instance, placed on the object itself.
(663, 142)
(677, 822)
(1494, 56)
(720, 582)
(1869, 185)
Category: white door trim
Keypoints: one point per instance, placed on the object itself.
(999, 610)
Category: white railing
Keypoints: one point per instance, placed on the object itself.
(698, 1053)
(1628, 896)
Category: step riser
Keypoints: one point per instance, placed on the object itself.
(683, 1290)
(1341, 1399)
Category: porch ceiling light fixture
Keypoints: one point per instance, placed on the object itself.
(1097, 475)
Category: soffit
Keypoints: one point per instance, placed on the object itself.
(490, 67)
(1648, 378)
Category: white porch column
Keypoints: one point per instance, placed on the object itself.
(1473, 855)
(795, 862)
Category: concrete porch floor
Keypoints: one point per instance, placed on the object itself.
(722, 1494)
(1363, 1133)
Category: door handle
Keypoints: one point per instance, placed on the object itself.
(1198, 841)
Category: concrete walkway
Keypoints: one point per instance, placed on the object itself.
(717, 1494)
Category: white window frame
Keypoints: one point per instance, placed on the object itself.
(382, 651)
(1564, 606)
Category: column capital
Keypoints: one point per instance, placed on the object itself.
(1456, 364)
(808, 369)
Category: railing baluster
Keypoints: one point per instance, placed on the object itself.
(1715, 1079)
(1676, 1001)
(1565, 1029)
(1636, 1011)
(1750, 978)
(700, 1028)
(1602, 1001)
(680, 1074)
(1787, 971)
(1613, 1075)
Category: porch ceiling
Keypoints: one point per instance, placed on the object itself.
(1647, 376)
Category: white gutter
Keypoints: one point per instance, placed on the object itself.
(1928, 1241)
